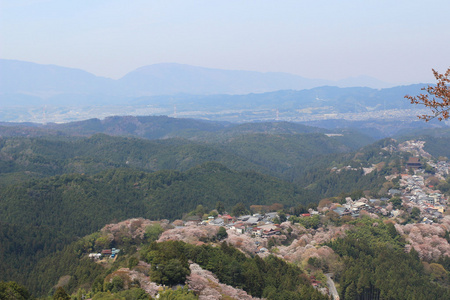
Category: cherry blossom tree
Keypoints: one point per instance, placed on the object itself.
(437, 97)
(428, 240)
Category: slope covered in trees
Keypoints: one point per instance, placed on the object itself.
(271, 278)
(301, 158)
(41, 216)
(272, 154)
(120, 193)
(372, 264)
(436, 140)
(56, 189)
(162, 127)
(31, 157)
(377, 267)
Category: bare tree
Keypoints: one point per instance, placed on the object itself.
(437, 97)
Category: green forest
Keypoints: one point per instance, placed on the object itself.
(377, 267)
(61, 184)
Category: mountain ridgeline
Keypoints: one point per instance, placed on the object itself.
(272, 148)
(30, 81)
(204, 92)
(163, 127)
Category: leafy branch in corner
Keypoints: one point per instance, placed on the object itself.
(437, 97)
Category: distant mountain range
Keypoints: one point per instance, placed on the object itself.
(26, 83)
(37, 93)
(325, 100)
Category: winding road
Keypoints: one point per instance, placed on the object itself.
(331, 286)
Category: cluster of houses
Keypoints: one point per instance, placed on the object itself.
(267, 230)
(105, 253)
(354, 208)
(431, 202)
(442, 167)
(259, 225)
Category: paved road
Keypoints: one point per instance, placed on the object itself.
(331, 286)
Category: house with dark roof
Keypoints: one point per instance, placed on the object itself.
(106, 252)
(413, 163)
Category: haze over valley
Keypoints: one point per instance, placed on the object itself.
(51, 94)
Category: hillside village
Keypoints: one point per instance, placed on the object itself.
(415, 191)
(414, 205)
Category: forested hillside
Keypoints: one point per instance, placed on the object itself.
(377, 267)
(55, 156)
(437, 140)
(41, 216)
(272, 154)
(57, 188)
(159, 127)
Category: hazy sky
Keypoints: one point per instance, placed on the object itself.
(396, 41)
